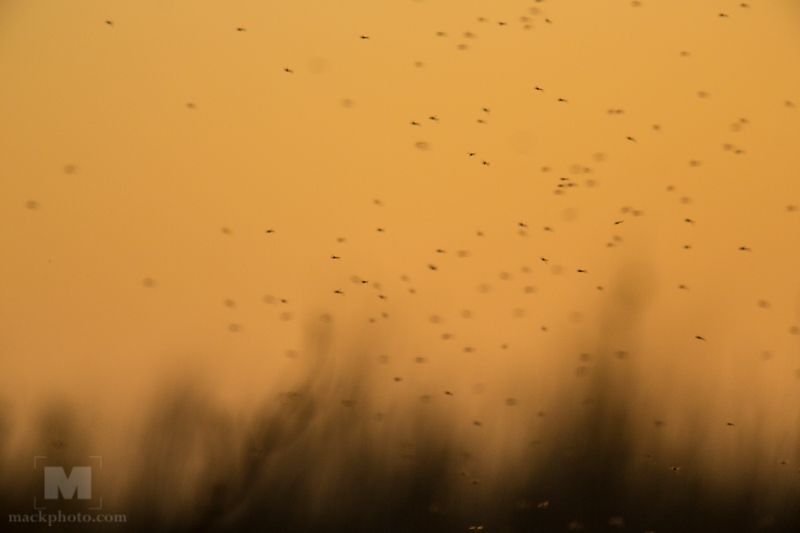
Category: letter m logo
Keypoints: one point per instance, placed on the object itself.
(55, 479)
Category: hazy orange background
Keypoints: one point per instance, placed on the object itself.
(307, 154)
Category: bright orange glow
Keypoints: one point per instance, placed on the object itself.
(580, 219)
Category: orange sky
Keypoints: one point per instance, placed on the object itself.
(184, 195)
